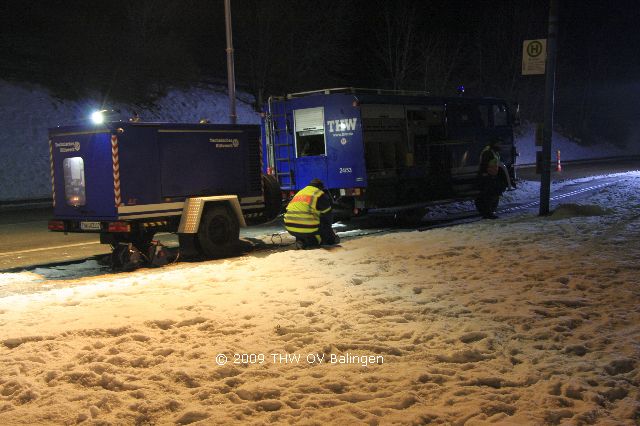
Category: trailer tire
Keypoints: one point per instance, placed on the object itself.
(188, 245)
(142, 241)
(218, 233)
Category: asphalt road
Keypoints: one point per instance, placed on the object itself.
(25, 240)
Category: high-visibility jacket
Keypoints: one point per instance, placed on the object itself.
(489, 161)
(302, 214)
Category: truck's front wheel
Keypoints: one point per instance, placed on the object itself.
(272, 197)
(218, 233)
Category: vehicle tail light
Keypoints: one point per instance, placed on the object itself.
(56, 225)
(119, 227)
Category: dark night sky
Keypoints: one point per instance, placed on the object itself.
(128, 50)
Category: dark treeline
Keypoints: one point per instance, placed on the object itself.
(135, 50)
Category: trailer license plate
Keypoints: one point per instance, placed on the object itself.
(90, 226)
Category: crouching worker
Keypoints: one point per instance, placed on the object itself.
(491, 182)
(309, 217)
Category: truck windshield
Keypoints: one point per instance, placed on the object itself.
(74, 181)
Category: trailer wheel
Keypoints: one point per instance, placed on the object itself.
(143, 241)
(219, 233)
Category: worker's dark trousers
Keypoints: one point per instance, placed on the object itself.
(307, 240)
(489, 197)
(326, 231)
(327, 236)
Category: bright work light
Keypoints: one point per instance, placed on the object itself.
(98, 117)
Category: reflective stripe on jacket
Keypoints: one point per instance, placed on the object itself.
(302, 216)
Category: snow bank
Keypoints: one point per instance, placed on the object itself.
(524, 320)
(28, 111)
(569, 149)
(571, 210)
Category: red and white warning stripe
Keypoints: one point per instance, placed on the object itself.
(261, 161)
(260, 152)
(116, 170)
(53, 182)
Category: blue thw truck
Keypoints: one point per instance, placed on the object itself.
(378, 149)
(127, 181)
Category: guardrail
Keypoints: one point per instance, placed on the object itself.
(37, 203)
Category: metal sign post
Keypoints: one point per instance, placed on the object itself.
(231, 78)
(545, 180)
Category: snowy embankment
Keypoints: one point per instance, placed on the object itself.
(29, 111)
(569, 149)
(524, 320)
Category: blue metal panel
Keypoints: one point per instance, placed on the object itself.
(139, 164)
(343, 164)
(264, 150)
(345, 148)
(206, 161)
(94, 147)
(308, 168)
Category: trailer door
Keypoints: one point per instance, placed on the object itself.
(83, 177)
(311, 145)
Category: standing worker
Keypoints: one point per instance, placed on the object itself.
(490, 182)
(309, 217)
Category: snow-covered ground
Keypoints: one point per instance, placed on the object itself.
(28, 111)
(523, 320)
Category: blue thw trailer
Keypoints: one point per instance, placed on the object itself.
(130, 180)
(376, 149)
